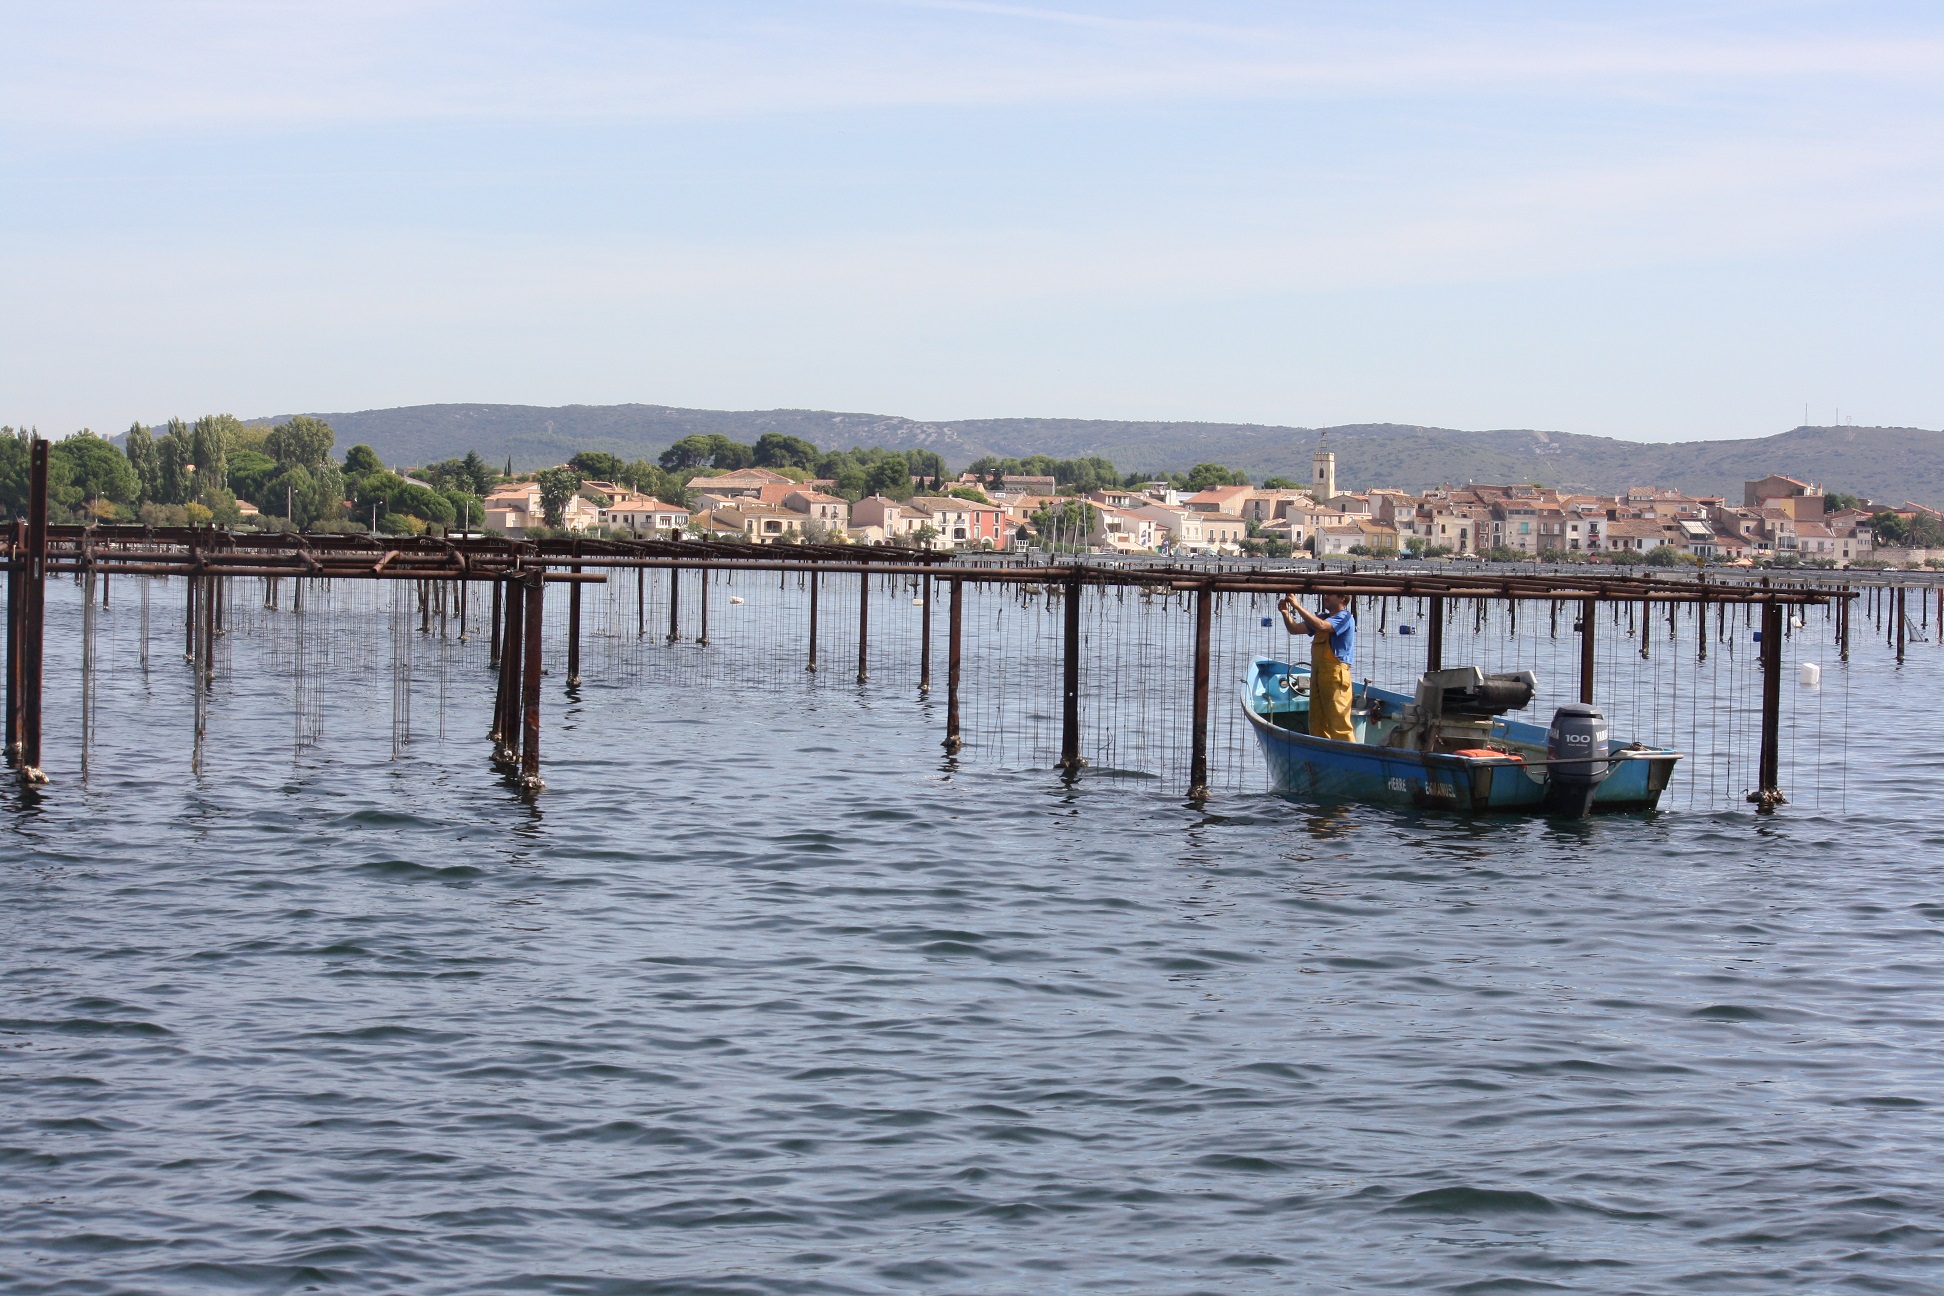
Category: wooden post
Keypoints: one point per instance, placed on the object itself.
(864, 627)
(1897, 610)
(641, 602)
(1768, 792)
(1204, 632)
(1588, 619)
(573, 627)
(924, 639)
(702, 603)
(1070, 679)
(812, 665)
(954, 639)
(536, 591)
(1843, 623)
(1434, 637)
(674, 604)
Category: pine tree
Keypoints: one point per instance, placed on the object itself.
(146, 461)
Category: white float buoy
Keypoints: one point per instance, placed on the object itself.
(1809, 675)
(733, 599)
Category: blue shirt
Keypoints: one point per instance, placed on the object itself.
(1343, 635)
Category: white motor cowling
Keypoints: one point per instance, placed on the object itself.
(1576, 759)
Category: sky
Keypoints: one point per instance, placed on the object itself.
(1651, 220)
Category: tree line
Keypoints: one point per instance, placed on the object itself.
(1093, 473)
(201, 473)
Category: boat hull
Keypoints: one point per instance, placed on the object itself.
(1323, 769)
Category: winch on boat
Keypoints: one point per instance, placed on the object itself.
(1454, 709)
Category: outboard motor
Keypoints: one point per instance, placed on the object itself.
(1576, 764)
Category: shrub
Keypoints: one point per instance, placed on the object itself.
(401, 524)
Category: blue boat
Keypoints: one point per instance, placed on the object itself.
(1422, 750)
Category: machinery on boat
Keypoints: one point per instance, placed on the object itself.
(1449, 745)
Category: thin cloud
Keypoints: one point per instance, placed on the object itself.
(223, 65)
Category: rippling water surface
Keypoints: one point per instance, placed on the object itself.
(767, 998)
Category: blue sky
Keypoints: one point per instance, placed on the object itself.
(1649, 220)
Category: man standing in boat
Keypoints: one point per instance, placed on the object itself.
(1333, 642)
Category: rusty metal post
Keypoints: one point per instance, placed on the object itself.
(1768, 792)
(189, 615)
(1588, 619)
(573, 627)
(815, 580)
(924, 638)
(863, 627)
(507, 731)
(1434, 638)
(33, 627)
(211, 605)
(954, 653)
(1070, 679)
(1701, 620)
(1204, 632)
(493, 638)
(536, 593)
(16, 636)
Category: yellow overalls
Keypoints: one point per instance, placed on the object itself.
(1329, 692)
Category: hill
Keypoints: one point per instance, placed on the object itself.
(1890, 464)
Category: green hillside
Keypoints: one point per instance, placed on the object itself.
(1890, 464)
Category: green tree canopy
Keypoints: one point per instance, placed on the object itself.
(1204, 476)
(210, 440)
(361, 460)
(776, 450)
(890, 477)
(92, 469)
(598, 464)
(303, 442)
(1924, 531)
(176, 459)
(424, 503)
(144, 458)
(250, 474)
(557, 486)
(380, 487)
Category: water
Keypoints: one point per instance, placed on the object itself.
(766, 998)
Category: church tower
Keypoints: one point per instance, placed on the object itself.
(1323, 474)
